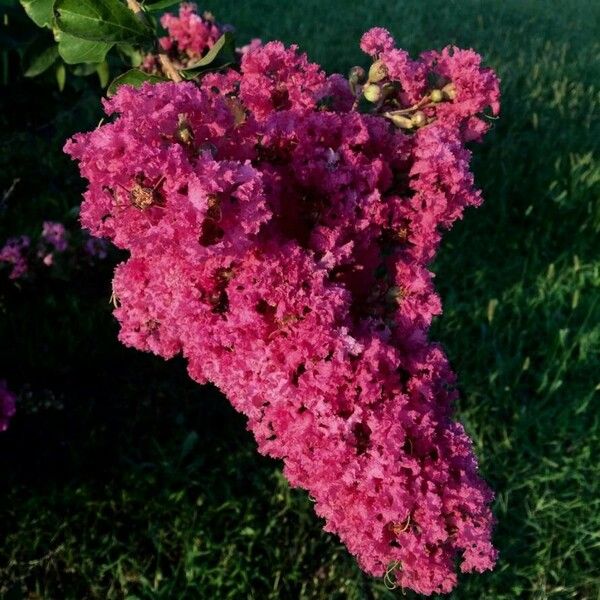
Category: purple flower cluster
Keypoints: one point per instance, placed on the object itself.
(14, 253)
(24, 258)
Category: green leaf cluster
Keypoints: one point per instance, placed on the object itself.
(85, 31)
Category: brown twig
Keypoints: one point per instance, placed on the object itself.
(134, 6)
(10, 190)
(167, 66)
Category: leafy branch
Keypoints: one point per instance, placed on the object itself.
(86, 31)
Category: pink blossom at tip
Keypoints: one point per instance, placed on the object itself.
(376, 40)
(477, 88)
(285, 255)
(252, 45)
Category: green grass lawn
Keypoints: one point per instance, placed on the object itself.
(147, 486)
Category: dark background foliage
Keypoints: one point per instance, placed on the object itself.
(123, 479)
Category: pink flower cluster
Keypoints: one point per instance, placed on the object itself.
(189, 36)
(7, 405)
(279, 239)
(189, 33)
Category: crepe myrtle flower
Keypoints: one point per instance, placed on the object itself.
(285, 255)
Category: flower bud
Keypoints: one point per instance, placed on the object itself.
(357, 75)
(449, 91)
(377, 72)
(436, 96)
(419, 119)
(400, 121)
(372, 92)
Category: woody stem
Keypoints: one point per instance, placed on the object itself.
(170, 71)
(134, 6)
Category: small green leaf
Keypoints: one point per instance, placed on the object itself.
(491, 309)
(39, 11)
(156, 6)
(188, 444)
(103, 73)
(39, 55)
(220, 55)
(84, 69)
(100, 21)
(41, 61)
(61, 75)
(133, 54)
(134, 77)
(74, 50)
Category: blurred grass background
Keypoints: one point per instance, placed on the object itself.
(122, 479)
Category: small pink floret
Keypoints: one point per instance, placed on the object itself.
(376, 40)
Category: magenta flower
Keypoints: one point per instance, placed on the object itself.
(281, 246)
(376, 40)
